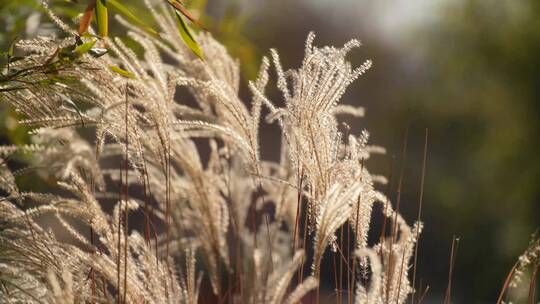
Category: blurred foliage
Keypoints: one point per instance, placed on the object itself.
(14, 15)
(483, 102)
(13, 133)
(230, 31)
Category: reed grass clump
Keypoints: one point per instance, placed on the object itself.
(152, 196)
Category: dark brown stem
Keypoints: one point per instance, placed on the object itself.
(340, 266)
(532, 284)
(349, 272)
(419, 215)
(119, 237)
(126, 197)
(298, 209)
(507, 283)
(448, 296)
(400, 274)
(395, 226)
(423, 295)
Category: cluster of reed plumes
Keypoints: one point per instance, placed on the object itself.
(124, 145)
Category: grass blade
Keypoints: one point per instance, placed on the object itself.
(87, 17)
(179, 7)
(102, 18)
(187, 36)
(85, 47)
(128, 14)
(11, 47)
(122, 72)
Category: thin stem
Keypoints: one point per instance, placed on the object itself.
(119, 246)
(349, 271)
(448, 296)
(400, 274)
(167, 198)
(386, 207)
(507, 283)
(93, 276)
(422, 180)
(340, 266)
(126, 197)
(298, 208)
(304, 246)
(532, 285)
(269, 242)
(423, 295)
(357, 233)
(336, 277)
(398, 201)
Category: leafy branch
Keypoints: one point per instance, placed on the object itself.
(100, 7)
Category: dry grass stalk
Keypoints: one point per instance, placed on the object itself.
(192, 205)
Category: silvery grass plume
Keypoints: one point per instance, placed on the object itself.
(528, 259)
(520, 284)
(112, 130)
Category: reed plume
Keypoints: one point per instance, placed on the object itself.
(116, 137)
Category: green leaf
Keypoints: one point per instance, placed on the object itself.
(102, 18)
(68, 80)
(11, 47)
(122, 72)
(188, 38)
(15, 59)
(68, 53)
(180, 7)
(124, 11)
(74, 106)
(85, 47)
(14, 88)
(88, 35)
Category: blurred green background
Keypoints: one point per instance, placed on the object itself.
(469, 71)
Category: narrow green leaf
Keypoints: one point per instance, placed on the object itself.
(15, 59)
(88, 35)
(11, 47)
(122, 72)
(102, 18)
(68, 53)
(180, 7)
(128, 14)
(188, 38)
(74, 106)
(11, 88)
(85, 47)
